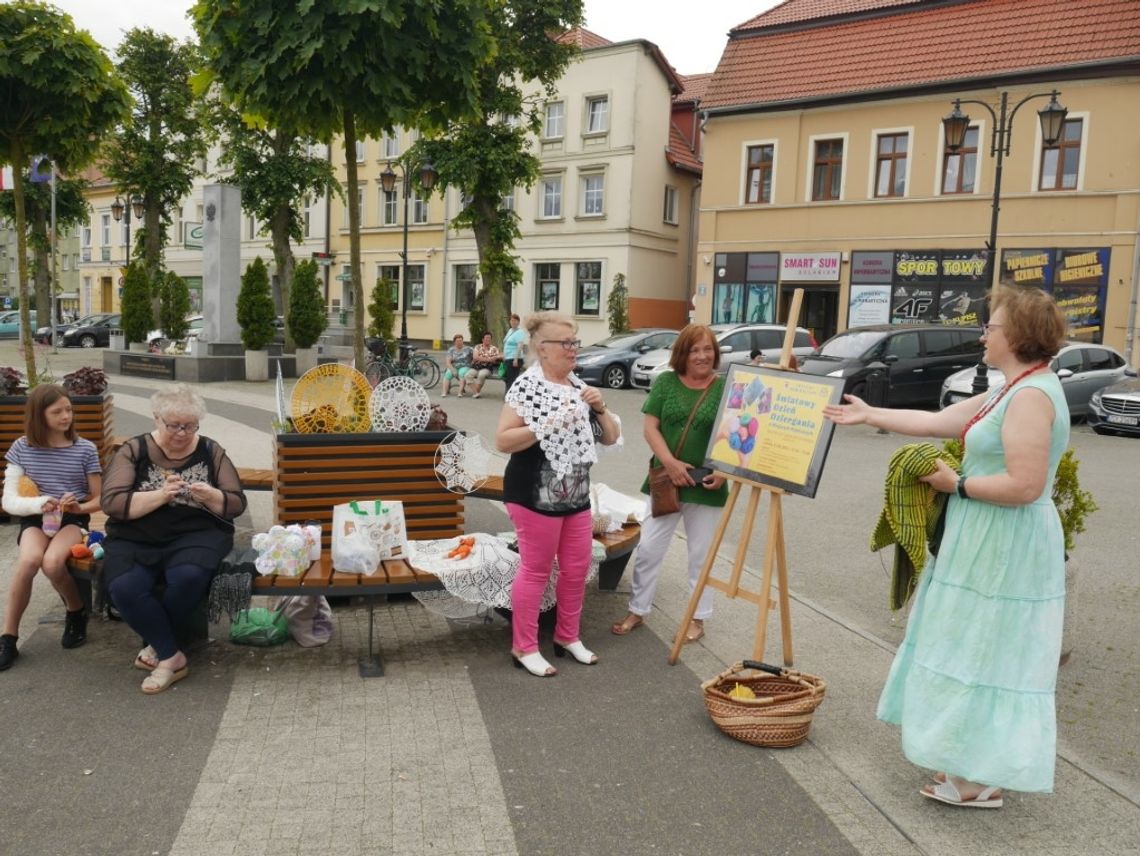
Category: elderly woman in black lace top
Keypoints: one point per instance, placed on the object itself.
(170, 496)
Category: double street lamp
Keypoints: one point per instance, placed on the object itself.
(957, 124)
(427, 176)
(120, 211)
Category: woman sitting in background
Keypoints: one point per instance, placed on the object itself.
(170, 497)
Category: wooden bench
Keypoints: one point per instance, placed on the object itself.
(619, 545)
(395, 576)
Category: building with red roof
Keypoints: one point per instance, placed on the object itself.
(824, 140)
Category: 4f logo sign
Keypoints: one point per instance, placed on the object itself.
(913, 307)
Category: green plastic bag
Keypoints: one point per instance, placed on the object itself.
(501, 371)
(260, 626)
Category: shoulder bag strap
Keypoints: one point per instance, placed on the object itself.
(692, 413)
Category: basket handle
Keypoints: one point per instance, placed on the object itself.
(763, 667)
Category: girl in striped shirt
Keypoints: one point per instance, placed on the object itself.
(52, 484)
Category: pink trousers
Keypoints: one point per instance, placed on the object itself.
(543, 537)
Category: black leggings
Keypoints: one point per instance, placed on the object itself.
(153, 619)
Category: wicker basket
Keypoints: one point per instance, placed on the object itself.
(779, 716)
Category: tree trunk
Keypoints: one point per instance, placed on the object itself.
(354, 240)
(283, 258)
(496, 307)
(152, 252)
(19, 164)
(42, 273)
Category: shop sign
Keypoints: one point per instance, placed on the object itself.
(914, 304)
(917, 266)
(870, 304)
(194, 234)
(763, 267)
(1027, 267)
(1080, 278)
(963, 266)
(809, 267)
(872, 268)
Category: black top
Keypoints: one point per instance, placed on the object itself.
(531, 482)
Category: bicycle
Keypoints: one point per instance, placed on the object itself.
(381, 366)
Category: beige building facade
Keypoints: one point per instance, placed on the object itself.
(853, 195)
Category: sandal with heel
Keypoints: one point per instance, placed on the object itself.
(627, 625)
(576, 650)
(534, 663)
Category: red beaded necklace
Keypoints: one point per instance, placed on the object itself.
(993, 402)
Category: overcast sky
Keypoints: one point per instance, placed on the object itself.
(691, 34)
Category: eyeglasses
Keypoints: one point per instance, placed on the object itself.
(567, 344)
(181, 428)
(989, 328)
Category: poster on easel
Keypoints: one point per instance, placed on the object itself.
(770, 427)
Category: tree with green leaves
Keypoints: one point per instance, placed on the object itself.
(60, 94)
(327, 68)
(477, 318)
(488, 156)
(306, 318)
(617, 306)
(134, 305)
(71, 209)
(255, 312)
(382, 311)
(276, 170)
(156, 152)
(174, 300)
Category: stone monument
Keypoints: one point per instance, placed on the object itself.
(221, 269)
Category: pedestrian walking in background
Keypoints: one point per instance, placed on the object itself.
(973, 684)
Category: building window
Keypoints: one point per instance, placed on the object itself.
(251, 228)
(828, 172)
(66, 259)
(87, 235)
(507, 203)
(390, 145)
(389, 212)
(1060, 162)
(392, 274)
(466, 287)
(546, 284)
(419, 209)
(669, 215)
(105, 230)
(588, 288)
(550, 194)
(307, 216)
(960, 168)
(555, 127)
(593, 195)
(597, 114)
(75, 261)
(360, 151)
(417, 298)
(890, 165)
(758, 180)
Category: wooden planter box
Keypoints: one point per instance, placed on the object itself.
(314, 472)
(94, 420)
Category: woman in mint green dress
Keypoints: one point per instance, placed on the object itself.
(973, 684)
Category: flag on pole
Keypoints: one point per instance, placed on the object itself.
(6, 178)
(42, 169)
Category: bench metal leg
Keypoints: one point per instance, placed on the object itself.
(610, 571)
(371, 666)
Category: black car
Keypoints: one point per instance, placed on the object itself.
(916, 359)
(45, 335)
(96, 334)
(609, 362)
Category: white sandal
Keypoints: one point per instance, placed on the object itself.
(534, 663)
(947, 792)
(576, 650)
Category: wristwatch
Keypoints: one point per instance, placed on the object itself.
(962, 487)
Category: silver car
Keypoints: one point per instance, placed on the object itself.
(1083, 368)
(737, 344)
(1116, 409)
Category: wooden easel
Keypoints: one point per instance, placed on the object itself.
(775, 556)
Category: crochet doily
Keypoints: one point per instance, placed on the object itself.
(329, 399)
(463, 462)
(399, 404)
(558, 416)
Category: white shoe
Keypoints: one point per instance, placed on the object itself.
(576, 650)
(534, 663)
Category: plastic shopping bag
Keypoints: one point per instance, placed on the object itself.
(309, 619)
(259, 626)
(367, 532)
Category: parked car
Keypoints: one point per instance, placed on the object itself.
(1115, 409)
(1082, 367)
(157, 338)
(608, 363)
(917, 358)
(737, 342)
(45, 335)
(10, 323)
(96, 334)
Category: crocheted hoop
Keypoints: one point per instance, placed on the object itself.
(399, 404)
(330, 399)
(462, 462)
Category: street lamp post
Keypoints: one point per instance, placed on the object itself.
(956, 124)
(123, 212)
(427, 176)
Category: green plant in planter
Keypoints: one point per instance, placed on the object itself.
(382, 311)
(306, 318)
(255, 311)
(617, 306)
(137, 319)
(174, 303)
(85, 381)
(1074, 504)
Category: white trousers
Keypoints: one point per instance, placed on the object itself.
(656, 533)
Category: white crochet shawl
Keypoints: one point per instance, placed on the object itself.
(557, 415)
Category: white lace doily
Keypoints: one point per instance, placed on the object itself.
(463, 462)
(486, 575)
(558, 416)
(399, 404)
